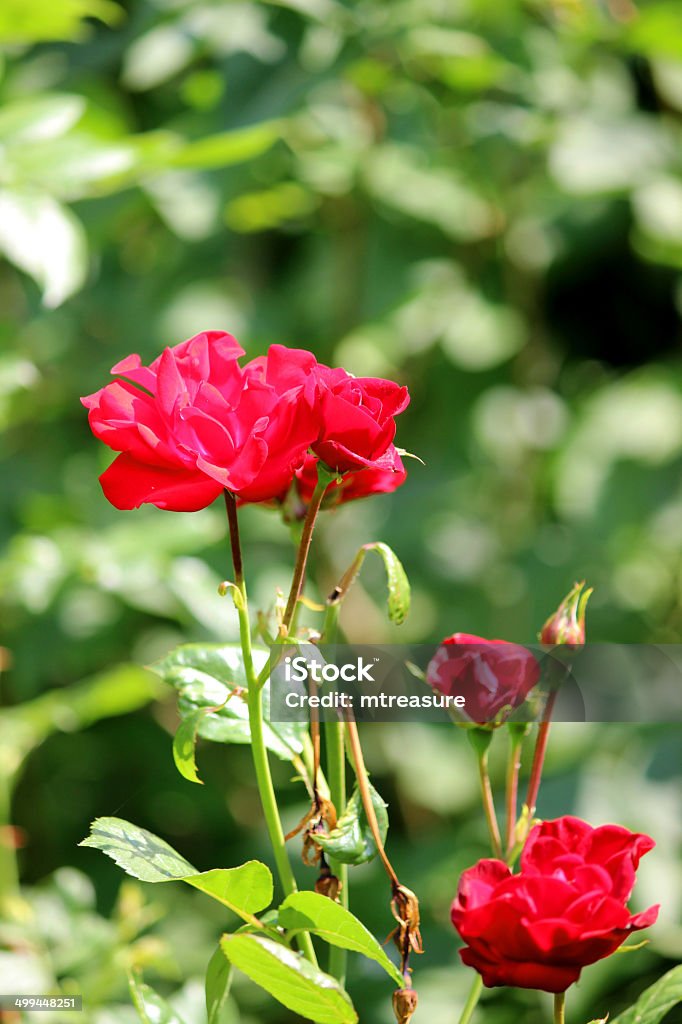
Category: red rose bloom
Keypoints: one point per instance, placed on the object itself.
(565, 909)
(386, 476)
(357, 415)
(194, 422)
(490, 674)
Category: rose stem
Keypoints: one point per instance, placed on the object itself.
(560, 1008)
(323, 480)
(336, 777)
(539, 758)
(516, 737)
(258, 749)
(472, 999)
(365, 796)
(489, 804)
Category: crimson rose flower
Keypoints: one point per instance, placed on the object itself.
(490, 674)
(194, 422)
(357, 419)
(565, 909)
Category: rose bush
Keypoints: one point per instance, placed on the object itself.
(565, 909)
(195, 422)
(490, 674)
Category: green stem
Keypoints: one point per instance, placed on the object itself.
(472, 999)
(258, 748)
(489, 805)
(336, 777)
(517, 734)
(560, 1008)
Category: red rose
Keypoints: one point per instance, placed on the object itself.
(358, 424)
(387, 476)
(490, 674)
(565, 909)
(194, 422)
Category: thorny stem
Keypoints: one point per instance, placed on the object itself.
(489, 805)
(258, 748)
(323, 481)
(560, 1008)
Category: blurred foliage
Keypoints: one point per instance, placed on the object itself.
(483, 200)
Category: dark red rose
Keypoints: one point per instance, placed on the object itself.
(194, 422)
(387, 476)
(565, 909)
(490, 674)
(357, 419)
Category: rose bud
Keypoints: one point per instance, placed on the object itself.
(565, 909)
(494, 676)
(567, 624)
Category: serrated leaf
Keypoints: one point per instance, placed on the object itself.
(655, 1001)
(217, 985)
(352, 842)
(204, 675)
(151, 1007)
(290, 979)
(245, 889)
(312, 912)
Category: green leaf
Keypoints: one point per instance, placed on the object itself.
(312, 912)
(184, 745)
(227, 148)
(29, 21)
(291, 979)
(398, 583)
(140, 853)
(218, 981)
(245, 889)
(655, 1001)
(352, 842)
(150, 1006)
(204, 675)
(118, 691)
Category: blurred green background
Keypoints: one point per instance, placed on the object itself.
(480, 199)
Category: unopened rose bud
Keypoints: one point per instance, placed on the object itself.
(404, 1004)
(567, 624)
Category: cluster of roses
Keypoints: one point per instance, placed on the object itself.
(195, 422)
(567, 905)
